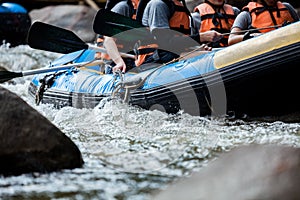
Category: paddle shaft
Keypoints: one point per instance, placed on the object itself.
(253, 29)
(103, 50)
(62, 67)
(8, 75)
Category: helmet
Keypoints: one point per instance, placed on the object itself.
(13, 7)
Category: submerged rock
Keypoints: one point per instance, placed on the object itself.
(31, 143)
(252, 172)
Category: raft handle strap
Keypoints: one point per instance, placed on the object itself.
(134, 83)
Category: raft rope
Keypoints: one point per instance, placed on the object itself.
(48, 80)
(133, 83)
(256, 29)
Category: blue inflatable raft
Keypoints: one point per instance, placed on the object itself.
(257, 77)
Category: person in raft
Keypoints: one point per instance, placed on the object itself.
(212, 18)
(266, 15)
(169, 22)
(126, 8)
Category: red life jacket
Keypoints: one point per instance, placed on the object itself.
(265, 17)
(179, 21)
(221, 21)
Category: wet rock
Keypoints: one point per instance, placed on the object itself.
(31, 143)
(251, 172)
(77, 18)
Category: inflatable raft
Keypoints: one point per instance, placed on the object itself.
(257, 77)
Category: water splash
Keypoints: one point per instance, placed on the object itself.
(129, 152)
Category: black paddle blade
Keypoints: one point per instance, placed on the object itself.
(7, 75)
(52, 38)
(111, 24)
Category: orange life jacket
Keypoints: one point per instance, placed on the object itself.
(135, 4)
(143, 51)
(264, 17)
(179, 21)
(219, 21)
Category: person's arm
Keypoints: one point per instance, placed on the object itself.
(156, 17)
(123, 8)
(197, 21)
(235, 38)
(242, 22)
(236, 11)
(208, 36)
(113, 52)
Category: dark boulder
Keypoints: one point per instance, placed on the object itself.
(266, 172)
(31, 143)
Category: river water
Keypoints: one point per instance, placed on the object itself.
(129, 153)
